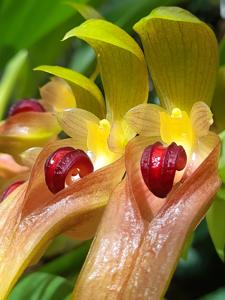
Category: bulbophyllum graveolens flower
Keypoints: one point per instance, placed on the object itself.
(140, 236)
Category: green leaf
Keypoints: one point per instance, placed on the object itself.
(216, 223)
(83, 60)
(216, 295)
(22, 22)
(218, 101)
(44, 286)
(71, 261)
(222, 157)
(222, 51)
(60, 245)
(22, 27)
(87, 11)
(187, 246)
(10, 78)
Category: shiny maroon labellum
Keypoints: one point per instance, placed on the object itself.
(159, 165)
(25, 105)
(66, 161)
(10, 189)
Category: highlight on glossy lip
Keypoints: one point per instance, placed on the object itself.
(25, 105)
(10, 189)
(159, 165)
(64, 166)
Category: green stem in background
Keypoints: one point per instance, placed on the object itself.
(45, 286)
(10, 77)
(72, 260)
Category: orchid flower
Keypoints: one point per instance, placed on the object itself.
(140, 236)
(97, 187)
(27, 127)
(103, 131)
(31, 124)
(135, 253)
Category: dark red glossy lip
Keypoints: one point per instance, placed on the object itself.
(25, 105)
(61, 162)
(159, 165)
(10, 189)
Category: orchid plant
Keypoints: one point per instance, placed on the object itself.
(137, 176)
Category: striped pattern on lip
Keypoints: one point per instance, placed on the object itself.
(159, 165)
(64, 162)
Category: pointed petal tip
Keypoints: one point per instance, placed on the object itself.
(38, 68)
(66, 36)
(76, 31)
(105, 31)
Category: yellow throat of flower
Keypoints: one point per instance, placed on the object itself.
(97, 143)
(106, 142)
(177, 127)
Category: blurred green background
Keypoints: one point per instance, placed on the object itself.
(30, 35)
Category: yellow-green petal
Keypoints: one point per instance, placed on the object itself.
(57, 95)
(144, 119)
(87, 94)
(120, 135)
(74, 122)
(181, 52)
(201, 118)
(10, 78)
(121, 63)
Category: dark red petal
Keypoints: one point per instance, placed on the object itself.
(25, 105)
(159, 165)
(10, 189)
(61, 162)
